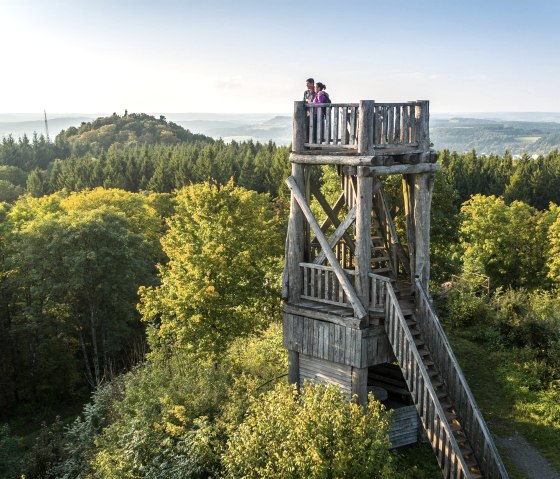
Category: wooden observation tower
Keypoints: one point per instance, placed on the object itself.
(357, 310)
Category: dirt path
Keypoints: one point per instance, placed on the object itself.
(526, 457)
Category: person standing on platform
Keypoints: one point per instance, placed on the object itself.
(321, 96)
(309, 94)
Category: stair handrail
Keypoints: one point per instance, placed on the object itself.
(472, 421)
(445, 445)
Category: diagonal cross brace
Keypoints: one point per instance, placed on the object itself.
(332, 213)
(347, 287)
(338, 234)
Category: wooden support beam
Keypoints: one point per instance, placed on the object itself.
(363, 237)
(359, 384)
(359, 310)
(423, 187)
(296, 239)
(408, 194)
(338, 234)
(335, 210)
(293, 367)
(332, 215)
(401, 169)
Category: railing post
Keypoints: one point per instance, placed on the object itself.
(423, 131)
(299, 127)
(365, 125)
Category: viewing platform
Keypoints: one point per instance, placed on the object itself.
(391, 137)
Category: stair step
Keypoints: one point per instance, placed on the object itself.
(419, 342)
(432, 372)
(459, 437)
(467, 451)
(381, 270)
(436, 383)
(428, 363)
(471, 462)
(423, 352)
(441, 394)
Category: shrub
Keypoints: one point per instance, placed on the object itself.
(315, 434)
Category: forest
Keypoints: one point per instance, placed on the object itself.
(140, 310)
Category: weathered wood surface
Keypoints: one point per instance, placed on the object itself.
(320, 284)
(359, 310)
(334, 342)
(401, 169)
(362, 260)
(404, 426)
(362, 127)
(432, 415)
(318, 370)
(423, 187)
(458, 389)
(296, 239)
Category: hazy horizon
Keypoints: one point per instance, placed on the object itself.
(248, 57)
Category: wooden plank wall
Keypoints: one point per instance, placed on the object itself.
(404, 426)
(319, 370)
(404, 420)
(337, 343)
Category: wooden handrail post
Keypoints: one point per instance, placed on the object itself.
(423, 117)
(365, 125)
(299, 130)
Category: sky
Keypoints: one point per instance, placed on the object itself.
(248, 56)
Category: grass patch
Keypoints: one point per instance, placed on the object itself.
(501, 384)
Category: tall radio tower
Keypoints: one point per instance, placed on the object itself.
(46, 126)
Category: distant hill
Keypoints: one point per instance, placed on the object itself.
(494, 136)
(16, 127)
(487, 132)
(135, 128)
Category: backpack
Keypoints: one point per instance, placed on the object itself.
(327, 98)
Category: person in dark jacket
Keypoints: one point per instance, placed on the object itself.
(309, 94)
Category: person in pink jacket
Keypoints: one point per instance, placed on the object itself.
(321, 96)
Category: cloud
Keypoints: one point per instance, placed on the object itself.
(230, 82)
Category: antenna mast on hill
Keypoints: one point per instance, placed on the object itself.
(46, 126)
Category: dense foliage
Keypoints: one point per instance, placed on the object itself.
(130, 234)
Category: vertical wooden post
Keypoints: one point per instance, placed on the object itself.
(423, 187)
(299, 127)
(296, 238)
(363, 236)
(365, 125)
(296, 247)
(293, 367)
(423, 118)
(359, 384)
(408, 193)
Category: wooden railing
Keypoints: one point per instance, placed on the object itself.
(425, 398)
(397, 124)
(456, 385)
(332, 124)
(321, 284)
(384, 125)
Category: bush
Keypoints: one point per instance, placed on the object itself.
(10, 453)
(315, 434)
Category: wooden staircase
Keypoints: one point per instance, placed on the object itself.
(454, 426)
